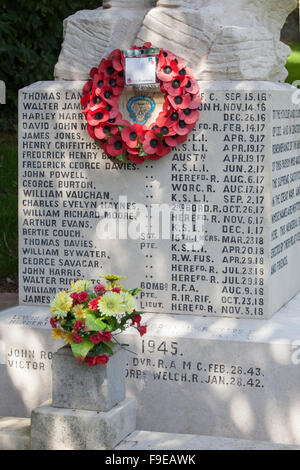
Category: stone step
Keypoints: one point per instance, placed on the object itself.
(14, 433)
(147, 440)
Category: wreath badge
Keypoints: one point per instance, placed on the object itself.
(136, 142)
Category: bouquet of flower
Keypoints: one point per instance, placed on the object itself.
(89, 317)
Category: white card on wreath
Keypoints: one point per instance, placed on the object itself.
(140, 70)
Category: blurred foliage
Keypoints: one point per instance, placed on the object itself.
(293, 62)
(8, 205)
(31, 33)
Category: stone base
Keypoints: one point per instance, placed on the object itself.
(63, 429)
(145, 440)
(232, 378)
(14, 434)
(77, 386)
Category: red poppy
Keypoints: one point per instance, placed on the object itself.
(182, 128)
(93, 72)
(105, 130)
(152, 143)
(168, 71)
(106, 93)
(147, 45)
(97, 115)
(192, 86)
(176, 139)
(87, 87)
(117, 59)
(136, 158)
(114, 146)
(196, 101)
(172, 88)
(91, 132)
(106, 67)
(180, 101)
(190, 116)
(131, 134)
(118, 120)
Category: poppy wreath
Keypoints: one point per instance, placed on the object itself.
(135, 142)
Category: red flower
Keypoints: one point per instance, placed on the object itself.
(103, 131)
(105, 336)
(95, 339)
(82, 297)
(76, 338)
(117, 59)
(152, 143)
(168, 70)
(102, 359)
(143, 330)
(196, 101)
(75, 298)
(137, 320)
(136, 159)
(117, 290)
(97, 115)
(93, 304)
(90, 361)
(130, 135)
(115, 146)
(180, 101)
(53, 322)
(190, 116)
(176, 139)
(106, 67)
(172, 88)
(87, 87)
(78, 326)
(99, 288)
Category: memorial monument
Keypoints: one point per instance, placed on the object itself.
(237, 176)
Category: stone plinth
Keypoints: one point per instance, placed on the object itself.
(233, 378)
(221, 233)
(63, 429)
(14, 433)
(77, 386)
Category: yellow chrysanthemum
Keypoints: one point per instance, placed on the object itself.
(113, 280)
(68, 338)
(111, 304)
(61, 305)
(57, 333)
(79, 312)
(129, 302)
(80, 286)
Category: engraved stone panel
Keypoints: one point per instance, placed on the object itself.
(225, 377)
(227, 201)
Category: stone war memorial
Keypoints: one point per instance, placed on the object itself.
(210, 232)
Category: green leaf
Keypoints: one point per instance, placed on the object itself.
(121, 157)
(94, 323)
(82, 349)
(142, 153)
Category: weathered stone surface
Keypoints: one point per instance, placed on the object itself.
(90, 35)
(222, 40)
(233, 378)
(63, 429)
(77, 386)
(145, 440)
(234, 184)
(14, 433)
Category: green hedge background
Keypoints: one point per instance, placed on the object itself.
(31, 33)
